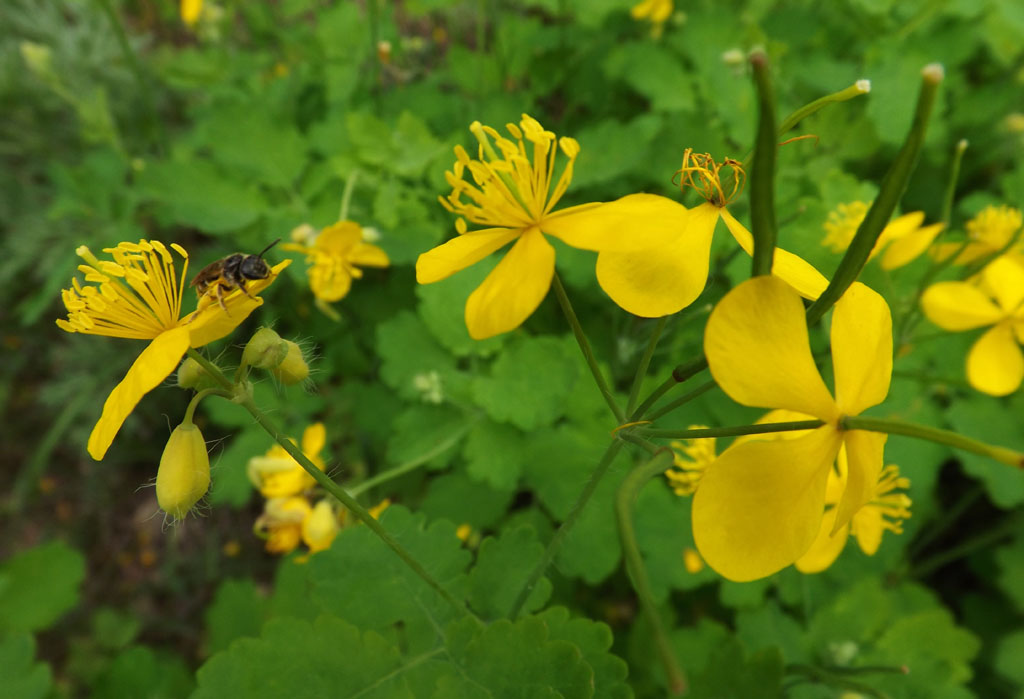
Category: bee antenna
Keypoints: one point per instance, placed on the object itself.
(264, 251)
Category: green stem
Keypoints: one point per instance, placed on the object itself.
(329, 485)
(861, 87)
(934, 434)
(346, 196)
(954, 175)
(559, 536)
(706, 432)
(681, 373)
(645, 363)
(588, 353)
(650, 447)
(410, 465)
(890, 192)
(190, 411)
(682, 400)
(762, 174)
(625, 499)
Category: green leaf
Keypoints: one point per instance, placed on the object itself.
(768, 627)
(142, 672)
(502, 566)
(39, 585)
(231, 485)
(329, 658)
(529, 382)
(196, 193)
(990, 420)
(608, 149)
(442, 308)
(246, 141)
(495, 454)
(364, 582)
(732, 673)
(421, 429)
(405, 371)
(23, 679)
(513, 661)
(114, 629)
(654, 72)
(1008, 654)
(1010, 579)
(415, 146)
(237, 611)
(461, 500)
(594, 640)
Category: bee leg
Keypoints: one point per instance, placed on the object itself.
(220, 298)
(241, 286)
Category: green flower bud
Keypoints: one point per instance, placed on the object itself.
(265, 350)
(184, 473)
(293, 369)
(191, 374)
(38, 58)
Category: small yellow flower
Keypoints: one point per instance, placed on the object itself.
(281, 523)
(276, 474)
(669, 275)
(689, 459)
(759, 506)
(903, 240)
(335, 256)
(656, 12)
(320, 527)
(190, 11)
(885, 511)
(513, 194)
(138, 295)
(987, 233)
(995, 363)
(184, 473)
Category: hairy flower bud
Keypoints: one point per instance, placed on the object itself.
(265, 350)
(184, 473)
(293, 369)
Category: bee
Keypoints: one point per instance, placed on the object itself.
(229, 273)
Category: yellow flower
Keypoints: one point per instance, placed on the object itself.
(511, 195)
(137, 295)
(281, 523)
(335, 256)
(656, 12)
(689, 460)
(987, 233)
(184, 473)
(669, 275)
(995, 364)
(759, 506)
(190, 11)
(276, 474)
(886, 510)
(904, 239)
(320, 527)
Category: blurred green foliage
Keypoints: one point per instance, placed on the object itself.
(121, 123)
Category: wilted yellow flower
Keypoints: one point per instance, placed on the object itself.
(281, 523)
(903, 239)
(995, 363)
(276, 474)
(184, 473)
(513, 194)
(138, 295)
(335, 256)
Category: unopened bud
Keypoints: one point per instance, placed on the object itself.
(293, 369)
(191, 374)
(38, 58)
(184, 474)
(265, 350)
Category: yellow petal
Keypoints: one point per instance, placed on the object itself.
(313, 439)
(826, 547)
(869, 526)
(212, 323)
(958, 306)
(339, 238)
(995, 364)
(864, 451)
(663, 280)
(757, 348)
(460, 252)
(861, 349)
(329, 281)
(759, 506)
(909, 246)
(634, 222)
(154, 365)
(1004, 280)
(793, 269)
(366, 255)
(513, 289)
(898, 228)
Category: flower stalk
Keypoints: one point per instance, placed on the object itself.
(762, 173)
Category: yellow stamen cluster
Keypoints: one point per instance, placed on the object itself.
(512, 190)
(894, 507)
(842, 225)
(994, 225)
(700, 171)
(137, 295)
(690, 458)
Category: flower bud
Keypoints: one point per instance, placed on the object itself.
(184, 473)
(265, 350)
(293, 369)
(190, 374)
(38, 58)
